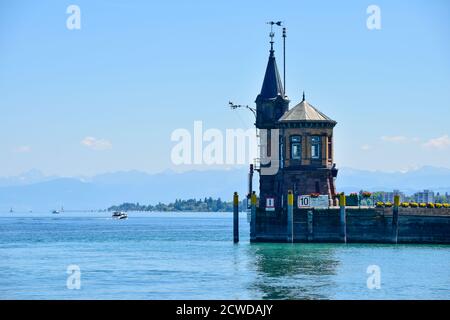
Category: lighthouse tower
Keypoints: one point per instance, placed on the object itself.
(296, 144)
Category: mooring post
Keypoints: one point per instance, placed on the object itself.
(290, 217)
(253, 217)
(342, 218)
(310, 225)
(235, 218)
(395, 219)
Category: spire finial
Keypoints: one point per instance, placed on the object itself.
(303, 95)
(272, 34)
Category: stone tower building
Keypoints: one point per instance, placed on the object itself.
(297, 144)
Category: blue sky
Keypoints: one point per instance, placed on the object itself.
(107, 97)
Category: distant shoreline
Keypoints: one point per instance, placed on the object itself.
(190, 205)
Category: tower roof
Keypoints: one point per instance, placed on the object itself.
(304, 112)
(272, 85)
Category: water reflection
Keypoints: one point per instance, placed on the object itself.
(293, 271)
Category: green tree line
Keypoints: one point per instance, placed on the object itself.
(200, 205)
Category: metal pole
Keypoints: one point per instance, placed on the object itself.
(253, 217)
(250, 184)
(342, 218)
(395, 219)
(235, 218)
(284, 60)
(290, 217)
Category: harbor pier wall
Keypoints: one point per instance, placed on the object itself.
(363, 225)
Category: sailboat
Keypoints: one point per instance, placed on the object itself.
(58, 211)
(11, 210)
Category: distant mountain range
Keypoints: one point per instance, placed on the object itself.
(427, 177)
(104, 190)
(35, 191)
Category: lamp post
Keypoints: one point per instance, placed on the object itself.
(236, 106)
(253, 110)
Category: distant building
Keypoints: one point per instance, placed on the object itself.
(425, 196)
(442, 198)
(389, 196)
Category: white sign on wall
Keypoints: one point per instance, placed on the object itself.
(307, 201)
(270, 204)
(303, 201)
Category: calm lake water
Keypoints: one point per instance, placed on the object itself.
(191, 256)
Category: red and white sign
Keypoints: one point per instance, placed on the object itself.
(270, 204)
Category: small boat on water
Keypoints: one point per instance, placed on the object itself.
(58, 211)
(119, 215)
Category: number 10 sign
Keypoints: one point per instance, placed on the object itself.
(304, 201)
(316, 202)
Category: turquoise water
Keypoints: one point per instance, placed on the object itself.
(191, 256)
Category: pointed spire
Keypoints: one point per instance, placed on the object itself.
(272, 85)
(303, 95)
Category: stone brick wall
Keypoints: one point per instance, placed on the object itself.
(304, 182)
(306, 133)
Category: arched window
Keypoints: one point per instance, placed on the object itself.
(296, 147)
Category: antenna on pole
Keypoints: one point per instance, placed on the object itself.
(284, 61)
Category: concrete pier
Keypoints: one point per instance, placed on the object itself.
(362, 225)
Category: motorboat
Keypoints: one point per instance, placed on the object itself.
(119, 215)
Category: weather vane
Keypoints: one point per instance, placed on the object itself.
(272, 34)
(278, 23)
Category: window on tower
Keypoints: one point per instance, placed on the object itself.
(330, 151)
(315, 147)
(296, 147)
